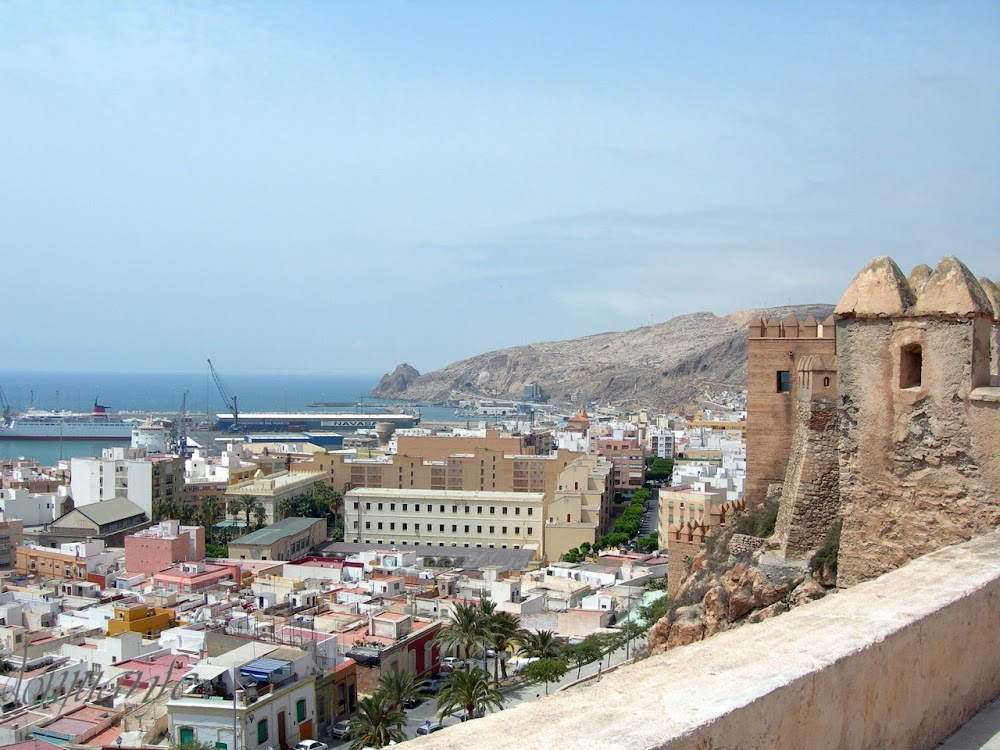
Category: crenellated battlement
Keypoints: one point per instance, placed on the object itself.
(792, 328)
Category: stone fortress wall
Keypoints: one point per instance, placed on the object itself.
(810, 498)
(776, 347)
(919, 404)
(897, 433)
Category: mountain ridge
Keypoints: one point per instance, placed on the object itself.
(665, 365)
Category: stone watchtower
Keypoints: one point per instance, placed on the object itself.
(919, 409)
(775, 349)
(810, 494)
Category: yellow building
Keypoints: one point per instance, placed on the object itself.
(140, 618)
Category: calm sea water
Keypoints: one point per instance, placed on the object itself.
(144, 393)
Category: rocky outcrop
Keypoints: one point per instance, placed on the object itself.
(666, 365)
(394, 384)
(725, 590)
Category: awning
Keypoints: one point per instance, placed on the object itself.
(203, 672)
(267, 670)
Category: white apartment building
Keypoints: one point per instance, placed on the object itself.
(265, 692)
(33, 509)
(127, 472)
(445, 518)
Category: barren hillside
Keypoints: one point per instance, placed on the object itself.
(665, 365)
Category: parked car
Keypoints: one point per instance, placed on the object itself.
(433, 684)
(491, 653)
(312, 745)
(427, 727)
(451, 663)
(340, 729)
(413, 702)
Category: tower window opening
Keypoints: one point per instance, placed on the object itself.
(911, 362)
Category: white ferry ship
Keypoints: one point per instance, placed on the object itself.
(99, 424)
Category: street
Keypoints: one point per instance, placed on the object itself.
(514, 695)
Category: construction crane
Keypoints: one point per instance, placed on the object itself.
(181, 429)
(228, 397)
(8, 410)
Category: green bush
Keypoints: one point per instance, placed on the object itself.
(759, 522)
(826, 556)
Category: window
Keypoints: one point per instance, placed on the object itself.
(466, 529)
(517, 511)
(503, 529)
(368, 506)
(493, 510)
(479, 529)
(517, 529)
(404, 506)
(531, 511)
(404, 526)
(530, 531)
(379, 525)
(479, 509)
(380, 506)
(492, 529)
(392, 506)
(417, 507)
(261, 732)
(784, 381)
(504, 510)
(300, 710)
(454, 529)
(187, 736)
(911, 362)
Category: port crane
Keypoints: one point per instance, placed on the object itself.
(228, 397)
(181, 429)
(8, 410)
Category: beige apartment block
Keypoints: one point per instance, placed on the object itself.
(445, 518)
(684, 503)
(469, 464)
(271, 489)
(581, 510)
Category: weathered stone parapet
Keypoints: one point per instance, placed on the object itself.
(896, 663)
(810, 499)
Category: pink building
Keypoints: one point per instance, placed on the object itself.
(628, 460)
(189, 577)
(162, 545)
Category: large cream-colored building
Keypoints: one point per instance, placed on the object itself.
(445, 518)
(579, 510)
(271, 489)
(490, 463)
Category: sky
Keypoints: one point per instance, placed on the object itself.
(343, 186)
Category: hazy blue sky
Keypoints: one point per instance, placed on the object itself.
(342, 186)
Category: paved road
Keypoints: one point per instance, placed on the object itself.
(514, 695)
(981, 732)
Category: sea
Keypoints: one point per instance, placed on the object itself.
(157, 393)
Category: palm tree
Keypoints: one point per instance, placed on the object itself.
(503, 629)
(285, 508)
(185, 514)
(540, 645)
(209, 513)
(259, 514)
(168, 509)
(400, 687)
(246, 504)
(473, 692)
(464, 629)
(376, 724)
(157, 510)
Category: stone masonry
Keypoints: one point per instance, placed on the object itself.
(919, 405)
(810, 499)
